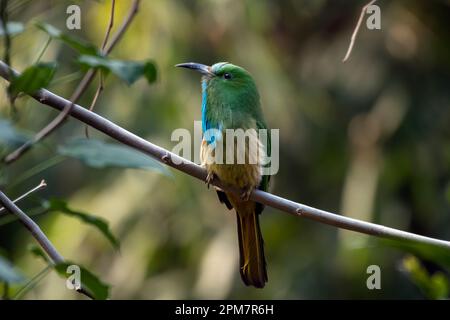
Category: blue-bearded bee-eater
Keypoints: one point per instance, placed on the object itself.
(230, 100)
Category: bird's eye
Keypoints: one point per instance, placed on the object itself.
(227, 75)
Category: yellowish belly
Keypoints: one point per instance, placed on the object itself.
(246, 175)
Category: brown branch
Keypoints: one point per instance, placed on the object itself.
(120, 134)
(356, 30)
(59, 120)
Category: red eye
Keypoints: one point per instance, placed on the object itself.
(227, 76)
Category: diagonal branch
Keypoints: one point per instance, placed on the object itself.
(110, 25)
(356, 30)
(83, 85)
(34, 229)
(120, 134)
(36, 232)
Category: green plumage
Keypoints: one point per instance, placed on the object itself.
(230, 100)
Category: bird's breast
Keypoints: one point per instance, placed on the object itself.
(236, 162)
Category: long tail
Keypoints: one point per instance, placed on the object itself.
(251, 249)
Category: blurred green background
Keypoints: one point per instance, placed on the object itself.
(369, 138)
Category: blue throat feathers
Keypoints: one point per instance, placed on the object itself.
(211, 129)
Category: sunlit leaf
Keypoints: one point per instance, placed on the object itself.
(437, 254)
(99, 223)
(99, 154)
(128, 71)
(8, 273)
(434, 286)
(33, 78)
(90, 282)
(12, 28)
(80, 45)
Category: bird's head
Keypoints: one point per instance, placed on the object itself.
(225, 80)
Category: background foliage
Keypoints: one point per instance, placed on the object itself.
(369, 138)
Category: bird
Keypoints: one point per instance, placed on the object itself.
(230, 100)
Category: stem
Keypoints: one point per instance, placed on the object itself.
(37, 169)
(32, 283)
(44, 48)
(41, 186)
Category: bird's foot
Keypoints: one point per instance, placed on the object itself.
(245, 195)
(210, 178)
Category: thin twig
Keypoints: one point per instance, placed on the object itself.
(94, 101)
(119, 34)
(40, 186)
(37, 233)
(32, 283)
(110, 25)
(120, 134)
(32, 227)
(6, 35)
(41, 166)
(44, 48)
(100, 84)
(59, 120)
(356, 30)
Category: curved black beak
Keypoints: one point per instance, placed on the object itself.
(203, 69)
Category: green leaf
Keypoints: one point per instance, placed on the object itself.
(128, 71)
(99, 223)
(99, 154)
(33, 78)
(12, 28)
(433, 287)
(9, 135)
(77, 44)
(437, 254)
(8, 273)
(89, 282)
(150, 72)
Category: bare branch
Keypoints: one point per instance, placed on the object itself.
(100, 84)
(120, 134)
(356, 30)
(44, 48)
(94, 101)
(37, 233)
(59, 120)
(34, 229)
(41, 186)
(110, 25)
(118, 35)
